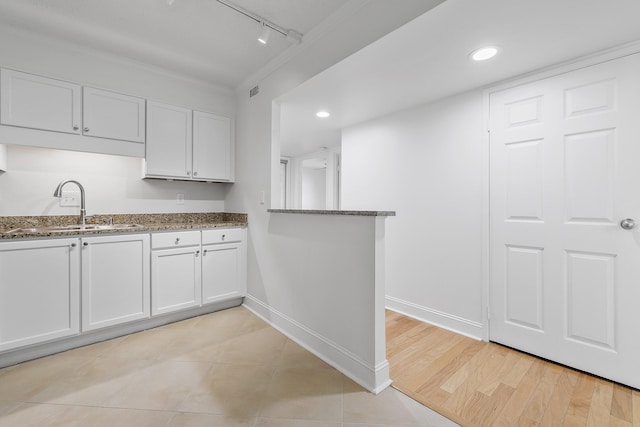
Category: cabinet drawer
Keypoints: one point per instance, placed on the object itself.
(175, 239)
(222, 236)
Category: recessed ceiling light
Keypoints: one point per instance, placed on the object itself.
(484, 53)
(323, 114)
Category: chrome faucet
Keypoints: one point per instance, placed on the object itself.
(58, 193)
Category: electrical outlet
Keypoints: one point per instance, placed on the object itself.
(70, 198)
(179, 199)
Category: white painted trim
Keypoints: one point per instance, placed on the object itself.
(3, 158)
(120, 59)
(567, 66)
(13, 135)
(274, 188)
(486, 223)
(443, 320)
(379, 330)
(544, 73)
(373, 378)
(308, 40)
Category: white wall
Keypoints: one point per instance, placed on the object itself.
(322, 284)
(257, 170)
(425, 163)
(314, 188)
(113, 183)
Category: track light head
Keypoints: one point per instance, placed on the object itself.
(264, 34)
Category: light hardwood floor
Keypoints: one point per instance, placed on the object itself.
(485, 384)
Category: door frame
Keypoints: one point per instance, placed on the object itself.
(537, 75)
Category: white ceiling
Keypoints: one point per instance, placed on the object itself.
(198, 38)
(427, 59)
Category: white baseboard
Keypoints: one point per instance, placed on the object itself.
(443, 320)
(373, 378)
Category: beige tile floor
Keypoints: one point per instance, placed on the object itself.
(223, 369)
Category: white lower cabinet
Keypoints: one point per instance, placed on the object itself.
(115, 280)
(175, 271)
(39, 291)
(223, 265)
(57, 288)
(190, 269)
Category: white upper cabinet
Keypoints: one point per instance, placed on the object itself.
(211, 147)
(113, 115)
(186, 144)
(43, 112)
(169, 146)
(38, 102)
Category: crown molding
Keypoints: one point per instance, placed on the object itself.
(317, 33)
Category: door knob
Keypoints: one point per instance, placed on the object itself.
(627, 224)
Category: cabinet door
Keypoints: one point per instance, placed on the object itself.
(115, 280)
(113, 115)
(212, 148)
(222, 272)
(169, 146)
(39, 291)
(175, 279)
(38, 102)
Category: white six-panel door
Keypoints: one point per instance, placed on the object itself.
(565, 171)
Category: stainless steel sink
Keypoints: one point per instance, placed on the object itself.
(73, 228)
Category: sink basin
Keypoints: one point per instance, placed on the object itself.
(74, 228)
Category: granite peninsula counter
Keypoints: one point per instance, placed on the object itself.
(332, 212)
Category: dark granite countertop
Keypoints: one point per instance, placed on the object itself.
(149, 223)
(333, 212)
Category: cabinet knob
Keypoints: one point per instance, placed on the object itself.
(223, 236)
(85, 130)
(73, 245)
(197, 253)
(195, 174)
(177, 240)
(76, 128)
(188, 173)
(85, 244)
(204, 252)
